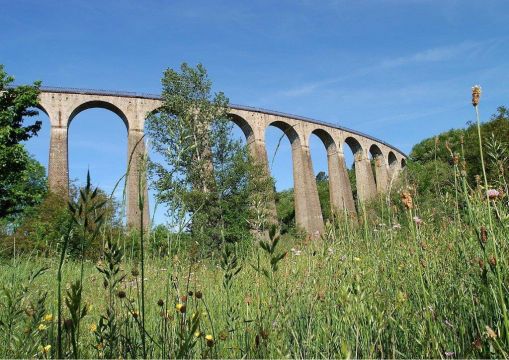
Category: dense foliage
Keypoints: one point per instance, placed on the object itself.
(205, 178)
(22, 178)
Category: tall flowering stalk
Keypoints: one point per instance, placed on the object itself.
(476, 96)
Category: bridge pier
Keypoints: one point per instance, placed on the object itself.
(341, 196)
(58, 168)
(366, 186)
(381, 174)
(308, 214)
(136, 183)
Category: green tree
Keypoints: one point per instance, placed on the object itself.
(464, 144)
(205, 176)
(22, 181)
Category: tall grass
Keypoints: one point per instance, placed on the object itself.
(401, 281)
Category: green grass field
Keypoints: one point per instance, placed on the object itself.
(381, 286)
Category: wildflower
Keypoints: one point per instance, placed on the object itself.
(121, 294)
(199, 295)
(45, 349)
(135, 314)
(492, 194)
(356, 259)
(92, 328)
(160, 302)
(449, 353)
(210, 340)
(42, 327)
(48, 317)
(330, 250)
(406, 199)
(181, 308)
(476, 95)
(417, 220)
(183, 298)
(197, 334)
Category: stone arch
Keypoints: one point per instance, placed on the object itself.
(355, 146)
(381, 172)
(246, 128)
(98, 104)
(392, 160)
(403, 163)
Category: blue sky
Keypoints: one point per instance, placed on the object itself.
(400, 70)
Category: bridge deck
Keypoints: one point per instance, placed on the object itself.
(233, 106)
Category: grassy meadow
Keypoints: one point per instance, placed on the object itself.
(398, 282)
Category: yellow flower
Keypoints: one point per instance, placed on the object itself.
(92, 327)
(210, 340)
(42, 327)
(48, 317)
(46, 349)
(356, 259)
(181, 308)
(197, 334)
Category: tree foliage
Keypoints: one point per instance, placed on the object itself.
(205, 176)
(22, 178)
(465, 145)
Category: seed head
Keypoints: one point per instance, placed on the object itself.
(493, 261)
(121, 294)
(135, 314)
(135, 272)
(199, 295)
(160, 302)
(406, 199)
(476, 95)
(484, 234)
(181, 308)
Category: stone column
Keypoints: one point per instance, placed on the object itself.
(258, 152)
(315, 218)
(136, 180)
(366, 187)
(341, 196)
(382, 174)
(58, 168)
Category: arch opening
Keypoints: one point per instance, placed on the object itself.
(393, 161)
(280, 139)
(98, 104)
(350, 152)
(38, 145)
(97, 142)
(322, 148)
(376, 159)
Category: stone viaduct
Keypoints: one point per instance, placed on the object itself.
(63, 104)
